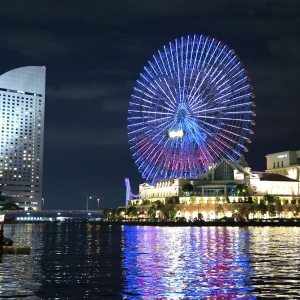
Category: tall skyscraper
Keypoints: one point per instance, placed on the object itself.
(22, 106)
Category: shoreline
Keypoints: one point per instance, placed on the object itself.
(284, 223)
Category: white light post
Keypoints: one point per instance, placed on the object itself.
(87, 203)
(89, 198)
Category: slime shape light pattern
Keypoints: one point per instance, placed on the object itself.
(198, 86)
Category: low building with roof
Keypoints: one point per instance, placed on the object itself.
(227, 184)
(286, 163)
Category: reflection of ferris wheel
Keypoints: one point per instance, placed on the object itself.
(191, 106)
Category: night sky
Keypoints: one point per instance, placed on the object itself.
(94, 52)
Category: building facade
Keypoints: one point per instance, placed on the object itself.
(22, 108)
(218, 192)
(285, 163)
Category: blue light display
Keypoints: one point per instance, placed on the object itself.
(191, 263)
(198, 85)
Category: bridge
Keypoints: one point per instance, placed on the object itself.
(54, 215)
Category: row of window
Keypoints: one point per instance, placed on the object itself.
(19, 92)
(274, 164)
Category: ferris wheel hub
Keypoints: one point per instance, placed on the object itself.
(181, 114)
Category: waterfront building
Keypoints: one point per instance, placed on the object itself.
(226, 184)
(285, 163)
(22, 106)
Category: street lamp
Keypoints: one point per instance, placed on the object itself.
(87, 199)
(87, 203)
(98, 203)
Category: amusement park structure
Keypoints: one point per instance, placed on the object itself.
(129, 194)
(191, 106)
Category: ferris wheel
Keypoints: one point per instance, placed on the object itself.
(191, 106)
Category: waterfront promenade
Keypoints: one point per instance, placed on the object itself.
(231, 223)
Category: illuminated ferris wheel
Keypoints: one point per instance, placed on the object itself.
(191, 106)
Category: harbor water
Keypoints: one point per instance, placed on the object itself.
(85, 261)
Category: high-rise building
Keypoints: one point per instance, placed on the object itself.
(22, 106)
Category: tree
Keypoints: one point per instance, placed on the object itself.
(132, 211)
(11, 206)
(262, 207)
(273, 204)
(114, 214)
(272, 210)
(110, 213)
(218, 207)
(146, 202)
(176, 199)
(241, 189)
(187, 189)
(244, 211)
(200, 216)
(121, 211)
(152, 211)
(107, 212)
(171, 211)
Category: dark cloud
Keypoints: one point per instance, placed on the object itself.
(87, 91)
(94, 52)
(76, 135)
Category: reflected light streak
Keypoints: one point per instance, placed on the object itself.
(164, 263)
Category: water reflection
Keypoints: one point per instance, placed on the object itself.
(81, 261)
(186, 263)
(275, 261)
(19, 274)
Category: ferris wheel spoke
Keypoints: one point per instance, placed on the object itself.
(158, 65)
(191, 60)
(153, 112)
(209, 125)
(189, 97)
(223, 143)
(171, 93)
(186, 65)
(154, 70)
(148, 157)
(203, 63)
(171, 104)
(231, 132)
(140, 98)
(226, 138)
(153, 94)
(241, 112)
(234, 119)
(229, 146)
(178, 77)
(147, 81)
(212, 55)
(149, 73)
(196, 54)
(167, 58)
(200, 129)
(162, 60)
(217, 155)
